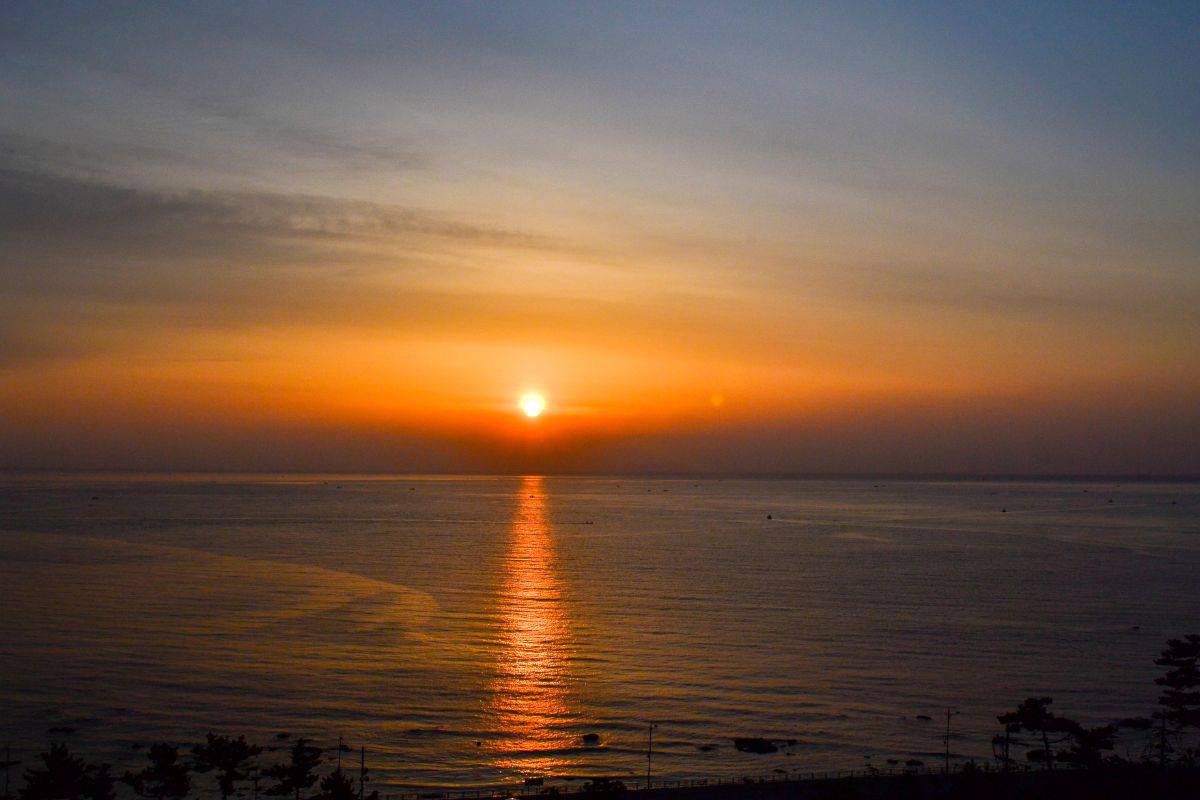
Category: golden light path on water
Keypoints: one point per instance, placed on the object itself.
(529, 699)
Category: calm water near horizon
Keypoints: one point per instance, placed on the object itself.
(469, 631)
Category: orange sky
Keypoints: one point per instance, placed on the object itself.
(709, 249)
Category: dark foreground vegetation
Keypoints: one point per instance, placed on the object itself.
(170, 775)
(1038, 753)
(1110, 782)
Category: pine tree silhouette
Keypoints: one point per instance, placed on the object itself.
(298, 773)
(229, 756)
(165, 777)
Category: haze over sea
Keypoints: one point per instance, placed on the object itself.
(469, 631)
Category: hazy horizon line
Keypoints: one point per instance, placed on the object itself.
(964, 477)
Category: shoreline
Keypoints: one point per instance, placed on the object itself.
(1109, 782)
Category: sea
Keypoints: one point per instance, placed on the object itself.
(471, 632)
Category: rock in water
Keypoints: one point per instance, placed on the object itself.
(754, 745)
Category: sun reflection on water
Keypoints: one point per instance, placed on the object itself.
(529, 699)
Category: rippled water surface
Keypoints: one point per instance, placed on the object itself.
(470, 631)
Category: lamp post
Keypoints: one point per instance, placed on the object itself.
(649, 752)
(950, 712)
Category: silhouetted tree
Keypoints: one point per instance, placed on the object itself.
(229, 756)
(1033, 715)
(166, 777)
(99, 784)
(1180, 699)
(61, 777)
(1088, 744)
(298, 773)
(1181, 684)
(1179, 704)
(337, 786)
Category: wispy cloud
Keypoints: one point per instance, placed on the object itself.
(781, 204)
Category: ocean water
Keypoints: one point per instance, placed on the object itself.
(469, 631)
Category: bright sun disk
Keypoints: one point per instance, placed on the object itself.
(532, 404)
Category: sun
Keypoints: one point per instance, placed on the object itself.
(532, 404)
